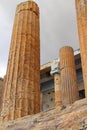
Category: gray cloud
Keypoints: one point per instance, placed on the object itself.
(57, 26)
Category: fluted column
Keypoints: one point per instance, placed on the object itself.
(55, 71)
(81, 9)
(69, 85)
(22, 85)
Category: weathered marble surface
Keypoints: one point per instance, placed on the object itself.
(1, 86)
(81, 11)
(74, 117)
(21, 95)
(68, 76)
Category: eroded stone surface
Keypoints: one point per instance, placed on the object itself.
(58, 96)
(69, 86)
(1, 86)
(74, 117)
(81, 9)
(22, 85)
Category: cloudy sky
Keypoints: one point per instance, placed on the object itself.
(58, 28)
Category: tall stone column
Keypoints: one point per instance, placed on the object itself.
(22, 85)
(55, 71)
(69, 85)
(81, 9)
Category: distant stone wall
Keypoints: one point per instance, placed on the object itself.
(1, 81)
(48, 100)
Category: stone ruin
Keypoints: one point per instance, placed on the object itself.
(21, 95)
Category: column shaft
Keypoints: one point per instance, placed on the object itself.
(22, 85)
(81, 9)
(68, 76)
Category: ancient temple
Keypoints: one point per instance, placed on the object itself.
(51, 88)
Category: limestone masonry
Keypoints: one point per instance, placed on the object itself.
(22, 85)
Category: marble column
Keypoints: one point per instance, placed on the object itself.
(69, 84)
(55, 71)
(22, 85)
(81, 10)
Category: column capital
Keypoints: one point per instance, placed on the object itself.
(55, 69)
